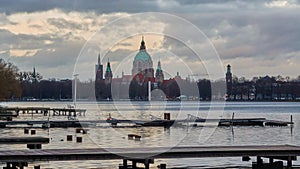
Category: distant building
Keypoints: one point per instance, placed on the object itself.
(142, 63)
(134, 86)
(99, 69)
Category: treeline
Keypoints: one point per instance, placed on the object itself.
(275, 88)
(9, 84)
(257, 89)
(15, 85)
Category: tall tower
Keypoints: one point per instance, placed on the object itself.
(108, 74)
(99, 69)
(159, 76)
(34, 75)
(228, 81)
(142, 63)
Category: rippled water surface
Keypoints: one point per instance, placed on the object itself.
(207, 134)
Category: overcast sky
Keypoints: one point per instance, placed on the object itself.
(256, 37)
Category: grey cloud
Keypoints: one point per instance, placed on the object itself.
(23, 41)
(130, 6)
(9, 7)
(269, 33)
(249, 28)
(64, 24)
(49, 56)
(102, 6)
(47, 59)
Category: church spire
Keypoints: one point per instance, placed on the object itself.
(99, 69)
(99, 60)
(108, 69)
(143, 46)
(108, 74)
(159, 66)
(159, 73)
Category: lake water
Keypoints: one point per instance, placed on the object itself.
(207, 135)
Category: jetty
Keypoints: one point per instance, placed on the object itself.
(146, 156)
(143, 123)
(9, 112)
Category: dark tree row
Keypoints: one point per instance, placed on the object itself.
(9, 85)
(47, 90)
(265, 88)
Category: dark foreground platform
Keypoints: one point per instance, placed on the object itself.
(283, 152)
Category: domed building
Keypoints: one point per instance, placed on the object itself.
(135, 86)
(142, 64)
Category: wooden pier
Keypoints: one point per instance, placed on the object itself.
(147, 155)
(144, 123)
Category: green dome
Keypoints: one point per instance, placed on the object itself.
(142, 55)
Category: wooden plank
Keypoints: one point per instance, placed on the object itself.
(143, 153)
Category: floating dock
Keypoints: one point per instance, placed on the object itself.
(145, 123)
(147, 155)
(8, 113)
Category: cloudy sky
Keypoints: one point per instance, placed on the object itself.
(60, 37)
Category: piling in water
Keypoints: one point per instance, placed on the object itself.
(167, 116)
(33, 132)
(69, 137)
(79, 139)
(26, 131)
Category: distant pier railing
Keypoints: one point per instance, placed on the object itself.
(42, 110)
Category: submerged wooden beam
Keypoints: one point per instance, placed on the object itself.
(24, 140)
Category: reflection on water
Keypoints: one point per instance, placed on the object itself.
(105, 136)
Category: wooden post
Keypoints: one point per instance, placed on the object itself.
(8, 164)
(259, 161)
(17, 111)
(271, 160)
(34, 146)
(137, 138)
(69, 137)
(289, 162)
(79, 139)
(232, 117)
(133, 164)
(78, 130)
(26, 131)
(163, 166)
(130, 136)
(124, 164)
(167, 116)
(32, 132)
(146, 165)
